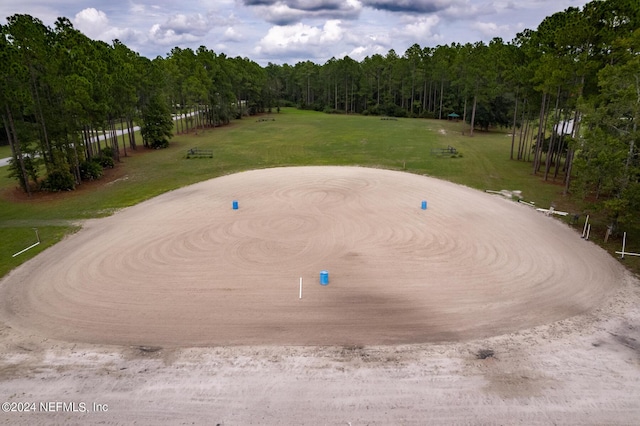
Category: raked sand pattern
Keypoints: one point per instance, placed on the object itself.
(185, 269)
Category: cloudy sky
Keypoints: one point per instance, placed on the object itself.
(289, 31)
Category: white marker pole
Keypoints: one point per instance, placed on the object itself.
(300, 288)
(31, 246)
(584, 230)
(624, 242)
(588, 232)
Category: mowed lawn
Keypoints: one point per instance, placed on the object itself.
(5, 151)
(289, 138)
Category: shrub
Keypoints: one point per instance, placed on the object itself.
(107, 151)
(90, 170)
(156, 144)
(59, 179)
(286, 103)
(393, 110)
(329, 110)
(105, 159)
(105, 162)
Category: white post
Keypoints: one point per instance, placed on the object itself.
(584, 230)
(300, 288)
(31, 246)
(588, 231)
(624, 242)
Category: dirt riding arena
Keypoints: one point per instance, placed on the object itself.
(476, 309)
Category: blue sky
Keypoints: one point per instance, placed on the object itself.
(289, 31)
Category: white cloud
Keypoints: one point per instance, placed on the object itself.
(230, 34)
(95, 24)
(168, 37)
(300, 38)
(358, 53)
(361, 52)
(313, 29)
(423, 29)
(331, 32)
(466, 10)
(92, 22)
(179, 28)
(137, 8)
(196, 24)
(491, 29)
(501, 5)
(334, 38)
(281, 39)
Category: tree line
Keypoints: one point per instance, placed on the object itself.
(570, 91)
(62, 97)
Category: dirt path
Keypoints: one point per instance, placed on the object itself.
(183, 308)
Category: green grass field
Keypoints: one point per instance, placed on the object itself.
(5, 151)
(293, 138)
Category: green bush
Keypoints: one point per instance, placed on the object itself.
(106, 158)
(286, 103)
(59, 179)
(393, 110)
(90, 170)
(156, 144)
(107, 151)
(372, 110)
(105, 162)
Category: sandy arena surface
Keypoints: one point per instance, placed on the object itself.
(184, 310)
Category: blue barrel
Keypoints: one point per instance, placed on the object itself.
(424, 205)
(235, 204)
(324, 277)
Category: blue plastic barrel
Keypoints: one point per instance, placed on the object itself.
(424, 205)
(324, 277)
(235, 204)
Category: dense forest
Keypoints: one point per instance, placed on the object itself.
(569, 89)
